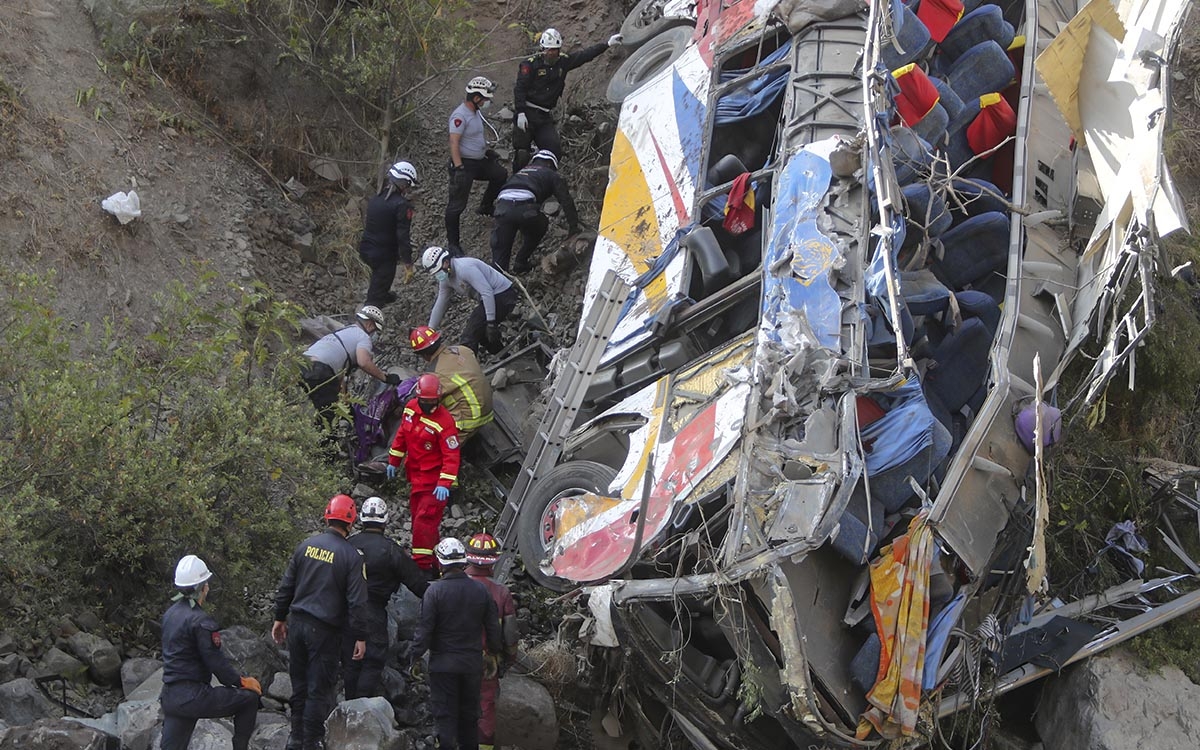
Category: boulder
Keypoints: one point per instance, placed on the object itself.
(363, 724)
(251, 653)
(135, 671)
(149, 689)
(1110, 702)
(136, 721)
(22, 703)
(525, 715)
(281, 687)
(54, 734)
(3, 731)
(59, 662)
(270, 735)
(101, 657)
(13, 666)
(106, 723)
(211, 734)
(404, 610)
(7, 644)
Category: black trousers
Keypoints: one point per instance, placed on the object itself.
(541, 130)
(383, 273)
(364, 678)
(475, 329)
(511, 218)
(184, 703)
(313, 654)
(324, 387)
(461, 181)
(454, 703)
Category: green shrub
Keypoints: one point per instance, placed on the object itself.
(121, 453)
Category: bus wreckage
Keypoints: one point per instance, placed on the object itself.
(795, 458)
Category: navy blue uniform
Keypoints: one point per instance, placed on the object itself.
(191, 651)
(388, 567)
(538, 88)
(385, 241)
(521, 211)
(323, 592)
(457, 615)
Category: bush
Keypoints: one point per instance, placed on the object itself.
(122, 453)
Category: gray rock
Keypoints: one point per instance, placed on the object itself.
(404, 609)
(13, 666)
(211, 735)
(54, 734)
(106, 723)
(87, 620)
(150, 688)
(252, 653)
(525, 715)
(363, 724)
(135, 671)
(280, 687)
(3, 731)
(362, 490)
(271, 732)
(136, 721)
(1110, 703)
(102, 658)
(7, 644)
(22, 703)
(58, 662)
(505, 114)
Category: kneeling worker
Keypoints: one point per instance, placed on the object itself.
(191, 652)
(335, 355)
(471, 276)
(519, 209)
(466, 393)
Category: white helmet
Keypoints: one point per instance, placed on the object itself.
(546, 155)
(431, 259)
(191, 572)
(402, 170)
(374, 510)
(450, 551)
(371, 313)
(482, 86)
(551, 39)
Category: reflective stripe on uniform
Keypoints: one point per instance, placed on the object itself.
(451, 477)
(468, 394)
(408, 412)
(430, 423)
(396, 453)
(421, 551)
(474, 424)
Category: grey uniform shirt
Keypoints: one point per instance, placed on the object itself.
(470, 275)
(333, 348)
(469, 124)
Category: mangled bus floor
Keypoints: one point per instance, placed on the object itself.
(797, 454)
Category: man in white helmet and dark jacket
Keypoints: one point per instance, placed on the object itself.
(191, 652)
(540, 82)
(386, 234)
(470, 158)
(519, 210)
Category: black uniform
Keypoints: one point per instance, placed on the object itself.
(191, 650)
(386, 241)
(323, 591)
(456, 615)
(539, 85)
(388, 566)
(525, 215)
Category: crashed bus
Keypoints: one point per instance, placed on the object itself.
(795, 458)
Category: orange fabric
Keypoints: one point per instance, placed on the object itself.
(917, 94)
(900, 604)
(995, 122)
(939, 16)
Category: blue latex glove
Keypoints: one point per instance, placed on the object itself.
(391, 472)
(442, 494)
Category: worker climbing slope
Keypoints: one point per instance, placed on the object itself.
(471, 277)
(466, 393)
(519, 210)
(470, 158)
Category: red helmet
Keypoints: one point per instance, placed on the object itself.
(429, 387)
(482, 549)
(341, 508)
(422, 338)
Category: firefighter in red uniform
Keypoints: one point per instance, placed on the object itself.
(428, 439)
(482, 551)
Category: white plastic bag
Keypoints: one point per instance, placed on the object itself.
(125, 206)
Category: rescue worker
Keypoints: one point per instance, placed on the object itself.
(466, 393)
(482, 551)
(519, 209)
(335, 355)
(540, 82)
(388, 566)
(191, 655)
(322, 593)
(458, 621)
(470, 158)
(386, 234)
(471, 276)
(427, 444)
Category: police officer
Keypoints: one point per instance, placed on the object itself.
(385, 238)
(519, 209)
(540, 82)
(482, 551)
(458, 621)
(335, 355)
(470, 158)
(191, 651)
(388, 566)
(323, 591)
(427, 444)
(466, 392)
